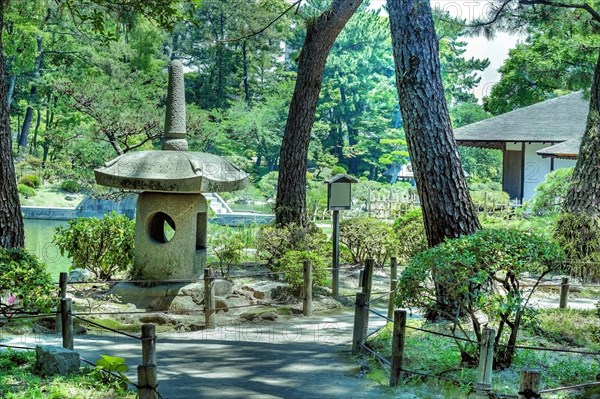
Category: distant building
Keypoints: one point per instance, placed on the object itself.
(400, 172)
(534, 140)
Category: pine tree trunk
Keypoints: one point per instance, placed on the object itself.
(583, 196)
(320, 35)
(445, 200)
(11, 219)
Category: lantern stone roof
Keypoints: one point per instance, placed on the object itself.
(552, 121)
(173, 169)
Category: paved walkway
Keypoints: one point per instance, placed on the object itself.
(302, 357)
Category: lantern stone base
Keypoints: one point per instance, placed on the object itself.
(170, 237)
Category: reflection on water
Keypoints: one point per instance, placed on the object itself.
(256, 208)
(38, 241)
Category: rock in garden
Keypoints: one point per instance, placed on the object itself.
(270, 316)
(56, 360)
(222, 287)
(80, 276)
(266, 290)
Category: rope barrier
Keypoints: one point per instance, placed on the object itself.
(379, 297)
(579, 386)
(106, 328)
(35, 316)
(17, 347)
(563, 350)
(377, 355)
(380, 315)
(443, 335)
(439, 377)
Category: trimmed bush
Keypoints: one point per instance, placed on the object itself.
(273, 242)
(25, 191)
(549, 194)
(579, 236)
(410, 234)
(24, 283)
(292, 264)
(478, 276)
(366, 238)
(70, 186)
(102, 246)
(32, 181)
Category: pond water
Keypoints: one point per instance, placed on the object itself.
(38, 241)
(256, 208)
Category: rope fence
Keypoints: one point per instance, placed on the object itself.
(530, 380)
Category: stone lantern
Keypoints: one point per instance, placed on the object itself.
(171, 216)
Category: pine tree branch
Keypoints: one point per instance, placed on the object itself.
(583, 6)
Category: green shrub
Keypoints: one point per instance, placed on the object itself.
(273, 242)
(410, 234)
(32, 181)
(292, 264)
(24, 283)
(551, 191)
(102, 246)
(579, 236)
(25, 191)
(227, 243)
(367, 238)
(70, 186)
(478, 276)
(490, 200)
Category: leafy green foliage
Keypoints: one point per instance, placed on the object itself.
(227, 243)
(293, 267)
(549, 193)
(70, 186)
(410, 235)
(273, 242)
(32, 181)
(478, 275)
(367, 238)
(579, 236)
(102, 246)
(25, 285)
(25, 191)
(112, 369)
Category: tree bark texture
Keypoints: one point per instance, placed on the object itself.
(24, 137)
(321, 33)
(11, 219)
(583, 196)
(448, 210)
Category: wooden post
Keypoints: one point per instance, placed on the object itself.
(209, 299)
(530, 381)
(66, 318)
(393, 285)
(148, 344)
(398, 346)
(486, 360)
(361, 313)
(361, 278)
(335, 271)
(63, 279)
(147, 377)
(564, 293)
(368, 278)
(307, 307)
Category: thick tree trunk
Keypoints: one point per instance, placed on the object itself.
(320, 35)
(245, 68)
(36, 131)
(11, 219)
(447, 207)
(583, 196)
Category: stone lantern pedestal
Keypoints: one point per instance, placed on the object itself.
(170, 242)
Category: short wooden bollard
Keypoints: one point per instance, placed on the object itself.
(393, 285)
(486, 360)
(307, 306)
(63, 280)
(209, 299)
(147, 377)
(148, 344)
(398, 346)
(66, 305)
(361, 312)
(530, 382)
(564, 293)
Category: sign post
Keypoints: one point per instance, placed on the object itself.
(339, 197)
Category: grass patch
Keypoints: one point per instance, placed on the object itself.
(20, 380)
